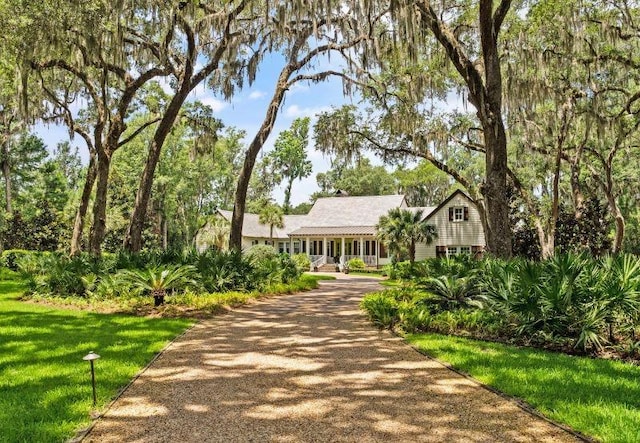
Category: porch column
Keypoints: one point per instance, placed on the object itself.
(308, 247)
(290, 246)
(361, 245)
(324, 247)
(342, 249)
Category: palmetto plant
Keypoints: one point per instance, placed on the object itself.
(401, 229)
(453, 291)
(619, 289)
(160, 281)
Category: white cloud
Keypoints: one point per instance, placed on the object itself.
(214, 103)
(295, 111)
(298, 87)
(255, 95)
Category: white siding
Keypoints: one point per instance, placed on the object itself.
(424, 251)
(453, 233)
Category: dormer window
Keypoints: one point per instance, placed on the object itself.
(458, 213)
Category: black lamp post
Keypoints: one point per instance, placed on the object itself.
(90, 357)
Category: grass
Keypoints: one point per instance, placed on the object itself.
(600, 398)
(45, 391)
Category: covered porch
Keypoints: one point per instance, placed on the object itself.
(335, 247)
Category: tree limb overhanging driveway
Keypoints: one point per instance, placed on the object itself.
(308, 368)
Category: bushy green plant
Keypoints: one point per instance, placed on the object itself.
(302, 261)
(10, 257)
(381, 308)
(570, 300)
(159, 282)
(289, 271)
(453, 291)
(356, 264)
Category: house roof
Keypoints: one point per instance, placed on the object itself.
(447, 200)
(351, 211)
(426, 210)
(333, 230)
(252, 227)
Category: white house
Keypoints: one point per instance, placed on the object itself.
(337, 229)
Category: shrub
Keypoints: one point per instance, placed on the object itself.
(302, 261)
(10, 257)
(381, 308)
(356, 264)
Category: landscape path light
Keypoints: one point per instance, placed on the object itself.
(90, 357)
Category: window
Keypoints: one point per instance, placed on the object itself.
(383, 251)
(254, 242)
(458, 213)
(457, 250)
(296, 247)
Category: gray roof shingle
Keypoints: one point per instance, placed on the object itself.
(252, 227)
(351, 211)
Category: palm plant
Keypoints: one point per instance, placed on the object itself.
(619, 289)
(453, 291)
(401, 229)
(160, 281)
(272, 216)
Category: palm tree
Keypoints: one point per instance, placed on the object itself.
(401, 229)
(273, 216)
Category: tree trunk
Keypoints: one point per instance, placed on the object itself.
(237, 220)
(164, 226)
(99, 228)
(619, 221)
(133, 237)
(412, 251)
(6, 174)
(78, 226)
(495, 188)
(489, 106)
(287, 197)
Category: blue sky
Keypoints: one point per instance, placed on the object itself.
(246, 111)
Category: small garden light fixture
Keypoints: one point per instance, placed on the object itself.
(90, 357)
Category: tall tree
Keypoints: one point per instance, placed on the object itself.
(211, 34)
(109, 65)
(289, 158)
(305, 34)
(20, 159)
(472, 47)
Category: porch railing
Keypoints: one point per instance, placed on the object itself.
(369, 260)
(317, 261)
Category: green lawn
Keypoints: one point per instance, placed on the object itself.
(599, 398)
(45, 391)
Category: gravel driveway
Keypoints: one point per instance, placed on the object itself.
(308, 368)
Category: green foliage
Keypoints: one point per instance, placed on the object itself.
(356, 264)
(401, 229)
(288, 161)
(10, 257)
(159, 282)
(381, 309)
(302, 261)
(570, 302)
(156, 273)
